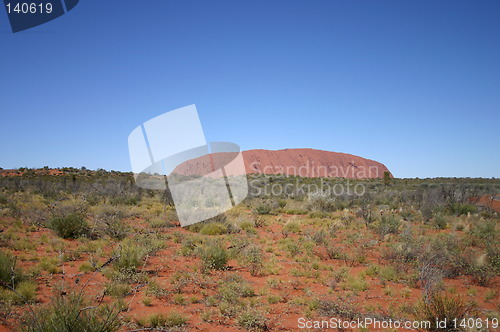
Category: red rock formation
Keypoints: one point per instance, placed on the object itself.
(298, 162)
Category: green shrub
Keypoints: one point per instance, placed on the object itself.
(333, 252)
(69, 226)
(130, 256)
(273, 299)
(7, 265)
(158, 320)
(87, 267)
(292, 226)
(319, 214)
(324, 203)
(109, 221)
(441, 307)
(461, 209)
(214, 228)
(485, 231)
(263, 209)
(493, 255)
(357, 284)
(147, 301)
(387, 225)
(343, 308)
(50, 264)
(252, 257)
(213, 256)
(248, 226)
(439, 222)
(67, 314)
(179, 299)
(233, 287)
(125, 200)
(252, 320)
(482, 273)
(117, 289)
(189, 245)
(25, 291)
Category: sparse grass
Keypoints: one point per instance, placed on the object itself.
(147, 301)
(117, 289)
(86, 267)
(25, 292)
(158, 320)
(154, 289)
(357, 284)
(292, 226)
(50, 264)
(490, 295)
(179, 299)
(340, 307)
(273, 299)
(397, 231)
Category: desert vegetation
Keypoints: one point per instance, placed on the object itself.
(85, 250)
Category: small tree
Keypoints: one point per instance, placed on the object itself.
(387, 178)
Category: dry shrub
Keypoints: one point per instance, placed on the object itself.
(441, 307)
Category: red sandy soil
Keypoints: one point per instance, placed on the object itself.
(493, 202)
(283, 316)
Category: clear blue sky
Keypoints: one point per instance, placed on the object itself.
(412, 84)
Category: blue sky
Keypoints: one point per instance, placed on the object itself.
(412, 84)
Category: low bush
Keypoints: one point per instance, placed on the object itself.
(117, 289)
(213, 256)
(69, 226)
(439, 221)
(72, 313)
(130, 256)
(461, 209)
(263, 209)
(25, 291)
(387, 225)
(292, 226)
(441, 307)
(232, 288)
(357, 284)
(109, 221)
(214, 228)
(158, 320)
(252, 320)
(324, 204)
(7, 268)
(340, 307)
(252, 258)
(485, 231)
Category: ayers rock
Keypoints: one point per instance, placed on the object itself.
(296, 162)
